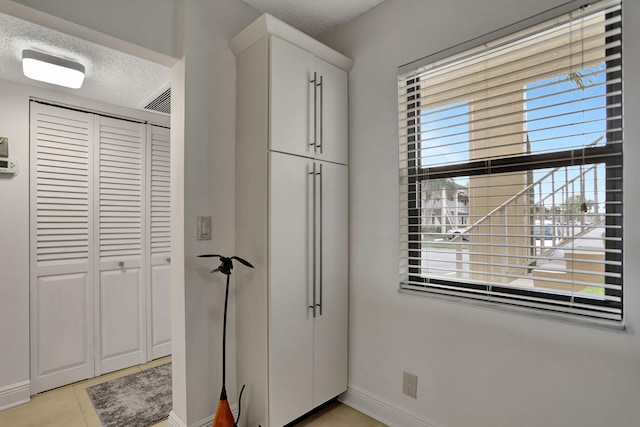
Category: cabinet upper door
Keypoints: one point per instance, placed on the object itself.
(331, 112)
(291, 99)
(308, 104)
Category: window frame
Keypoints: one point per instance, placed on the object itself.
(611, 154)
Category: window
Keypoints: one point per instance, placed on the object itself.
(511, 167)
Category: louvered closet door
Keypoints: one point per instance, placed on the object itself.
(61, 294)
(158, 201)
(121, 321)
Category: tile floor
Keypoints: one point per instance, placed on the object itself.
(339, 415)
(67, 406)
(70, 406)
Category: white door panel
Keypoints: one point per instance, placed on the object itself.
(120, 316)
(160, 310)
(62, 327)
(158, 228)
(308, 351)
(331, 326)
(308, 104)
(291, 95)
(290, 318)
(61, 253)
(121, 301)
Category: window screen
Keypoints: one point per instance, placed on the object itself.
(511, 168)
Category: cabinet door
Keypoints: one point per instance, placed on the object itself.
(331, 324)
(290, 291)
(291, 99)
(61, 294)
(121, 322)
(331, 112)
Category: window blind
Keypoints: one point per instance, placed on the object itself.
(511, 168)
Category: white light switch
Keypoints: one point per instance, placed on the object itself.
(204, 227)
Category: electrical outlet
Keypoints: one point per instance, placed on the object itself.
(410, 385)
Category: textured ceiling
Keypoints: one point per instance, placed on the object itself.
(111, 76)
(314, 17)
(122, 79)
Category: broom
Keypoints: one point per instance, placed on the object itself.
(224, 417)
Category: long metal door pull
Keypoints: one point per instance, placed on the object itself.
(315, 115)
(321, 240)
(319, 144)
(313, 240)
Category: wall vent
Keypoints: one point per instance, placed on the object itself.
(162, 103)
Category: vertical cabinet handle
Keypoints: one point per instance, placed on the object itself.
(320, 240)
(316, 142)
(319, 144)
(315, 115)
(313, 239)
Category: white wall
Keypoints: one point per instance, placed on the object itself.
(476, 366)
(209, 190)
(14, 248)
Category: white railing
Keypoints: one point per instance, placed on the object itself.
(560, 217)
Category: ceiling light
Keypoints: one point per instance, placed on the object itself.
(51, 69)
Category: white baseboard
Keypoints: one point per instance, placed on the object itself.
(381, 410)
(207, 422)
(15, 394)
(354, 397)
(175, 421)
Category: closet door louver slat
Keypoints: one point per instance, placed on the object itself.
(62, 181)
(160, 191)
(120, 188)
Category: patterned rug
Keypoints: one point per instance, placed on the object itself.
(137, 400)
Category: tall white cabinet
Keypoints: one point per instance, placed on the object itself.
(291, 222)
(99, 245)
